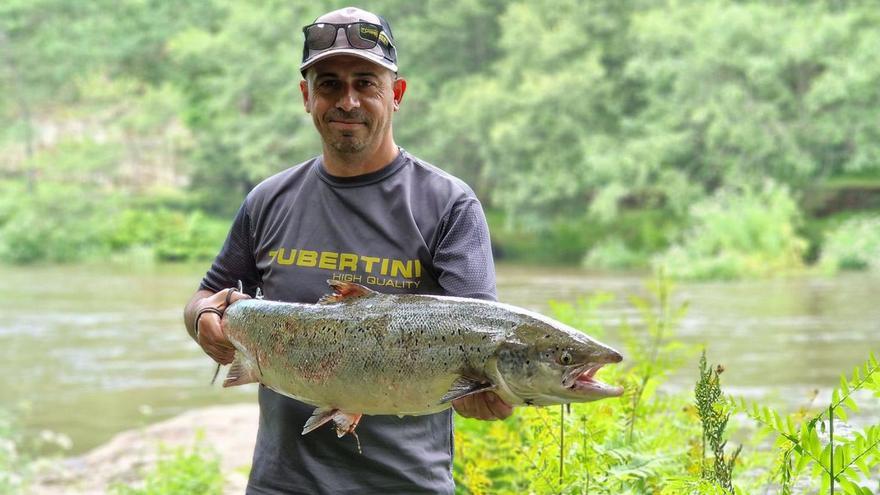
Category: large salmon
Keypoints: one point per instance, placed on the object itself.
(361, 352)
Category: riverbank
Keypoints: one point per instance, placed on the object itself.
(227, 431)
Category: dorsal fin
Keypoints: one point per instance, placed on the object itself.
(345, 290)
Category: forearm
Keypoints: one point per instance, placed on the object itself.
(192, 307)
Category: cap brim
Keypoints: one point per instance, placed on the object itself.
(366, 55)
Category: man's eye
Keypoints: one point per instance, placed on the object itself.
(328, 84)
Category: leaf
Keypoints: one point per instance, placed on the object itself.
(825, 458)
(802, 461)
(848, 486)
(838, 460)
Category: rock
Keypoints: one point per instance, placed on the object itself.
(229, 431)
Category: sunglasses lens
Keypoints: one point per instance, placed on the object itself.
(320, 36)
(362, 35)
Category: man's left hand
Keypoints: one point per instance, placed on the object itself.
(484, 405)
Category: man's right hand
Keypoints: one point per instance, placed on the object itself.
(211, 336)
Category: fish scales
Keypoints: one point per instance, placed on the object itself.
(362, 352)
(377, 358)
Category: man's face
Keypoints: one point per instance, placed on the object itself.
(351, 101)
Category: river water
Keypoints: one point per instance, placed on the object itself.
(90, 351)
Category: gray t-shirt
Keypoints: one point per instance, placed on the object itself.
(407, 228)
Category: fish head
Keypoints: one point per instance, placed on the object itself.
(546, 362)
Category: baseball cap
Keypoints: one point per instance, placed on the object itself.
(349, 31)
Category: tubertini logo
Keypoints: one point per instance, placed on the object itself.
(352, 267)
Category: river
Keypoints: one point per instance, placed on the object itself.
(90, 351)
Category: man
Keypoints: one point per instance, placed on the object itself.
(365, 211)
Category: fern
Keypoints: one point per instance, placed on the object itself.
(840, 462)
(714, 415)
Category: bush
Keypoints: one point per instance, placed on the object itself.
(639, 233)
(180, 472)
(55, 223)
(852, 245)
(739, 233)
(62, 223)
(613, 254)
(170, 235)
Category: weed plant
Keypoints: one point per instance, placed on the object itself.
(812, 452)
(852, 245)
(614, 446)
(651, 442)
(194, 470)
(18, 465)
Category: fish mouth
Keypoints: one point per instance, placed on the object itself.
(581, 379)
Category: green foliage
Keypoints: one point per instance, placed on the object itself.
(852, 245)
(180, 471)
(18, 466)
(745, 232)
(57, 223)
(714, 414)
(810, 447)
(171, 235)
(63, 223)
(595, 448)
(13, 468)
(613, 254)
(654, 350)
(609, 108)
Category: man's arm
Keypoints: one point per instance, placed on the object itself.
(463, 260)
(235, 262)
(211, 336)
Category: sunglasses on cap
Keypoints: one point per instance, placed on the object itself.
(361, 35)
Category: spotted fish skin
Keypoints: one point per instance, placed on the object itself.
(363, 352)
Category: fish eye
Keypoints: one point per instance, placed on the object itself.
(565, 358)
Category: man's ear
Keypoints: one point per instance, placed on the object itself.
(304, 88)
(399, 88)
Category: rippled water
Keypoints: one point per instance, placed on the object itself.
(96, 350)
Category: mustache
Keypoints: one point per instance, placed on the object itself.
(354, 115)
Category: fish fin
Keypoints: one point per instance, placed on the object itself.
(345, 290)
(464, 386)
(240, 373)
(320, 416)
(346, 422)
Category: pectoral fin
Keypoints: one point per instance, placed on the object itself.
(240, 373)
(464, 386)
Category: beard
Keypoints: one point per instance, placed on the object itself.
(350, 142)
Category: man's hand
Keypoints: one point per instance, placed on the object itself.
(484, 405)
(211, 335)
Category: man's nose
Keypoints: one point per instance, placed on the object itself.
(349, 99)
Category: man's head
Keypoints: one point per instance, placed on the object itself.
(350, 31)
(351, 87)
